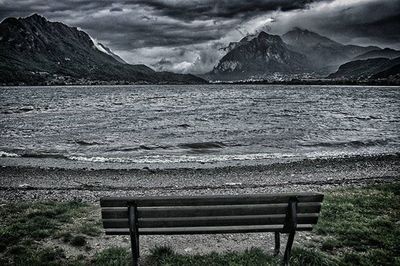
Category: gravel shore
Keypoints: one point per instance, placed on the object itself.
(25, 184)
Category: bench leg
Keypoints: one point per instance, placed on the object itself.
(277, 243)
(288, 248)
(135, 250)
(290, 225)
(133, 230)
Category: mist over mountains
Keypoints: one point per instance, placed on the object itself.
(324, 53)
(36, 51)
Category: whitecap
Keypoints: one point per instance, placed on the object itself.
(8, 154)
(183, 158)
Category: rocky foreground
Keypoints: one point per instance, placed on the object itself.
(27, 184)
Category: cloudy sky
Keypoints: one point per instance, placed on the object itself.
(187, 35)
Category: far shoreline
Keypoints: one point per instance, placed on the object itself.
(261, 82)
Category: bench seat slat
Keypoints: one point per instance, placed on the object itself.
(210, 200)
(207, 230)
(308, 218)
(224, 210)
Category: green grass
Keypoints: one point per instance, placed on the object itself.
(90, 229)
(35, 221)
(29, 255)
(358, 226)
(113, 256)
(311, 257)
(165, 256)
(362, 225)
(24, 225)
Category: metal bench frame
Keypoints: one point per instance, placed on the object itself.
(290, 225)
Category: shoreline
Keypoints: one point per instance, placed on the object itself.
(317, 82)
(31, 183)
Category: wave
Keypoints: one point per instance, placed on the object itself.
(21, 109)
(371, 117)
(87, 143)
(202, 145)
(44, 155)
(354, 143)
(33, 155)
(183, 125)
(182, 158)
(8, 154)
(202, 159)
(140, 147)
(151, 148)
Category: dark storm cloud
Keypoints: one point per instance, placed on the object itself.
(386, 29)
(180, 27)
(44, 7)
(210, 9)
(381, 24)
(150, 32)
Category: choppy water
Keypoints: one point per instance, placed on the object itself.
(174, 126)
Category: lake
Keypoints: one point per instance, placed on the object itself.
(168, 126)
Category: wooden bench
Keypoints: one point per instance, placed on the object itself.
(215, 214)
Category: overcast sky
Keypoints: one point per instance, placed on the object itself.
(186, 35)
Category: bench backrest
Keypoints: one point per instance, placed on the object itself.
(210, 214)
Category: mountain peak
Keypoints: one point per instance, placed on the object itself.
(36, 17)
(298, 29)
(303, 37)
(263, 34)
(259, 55)
(303, 31)
(269, 38)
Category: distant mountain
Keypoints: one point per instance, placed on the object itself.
(374, 68)
(391, 73)
(325, 53)
(298, 54)
(34, 50)
(383, 53)
(258, 56)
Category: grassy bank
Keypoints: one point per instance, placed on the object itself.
(358, 226)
